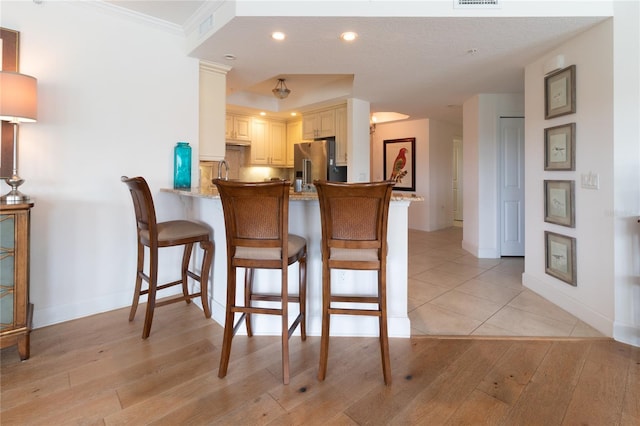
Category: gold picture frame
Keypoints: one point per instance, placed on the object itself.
(560, 92)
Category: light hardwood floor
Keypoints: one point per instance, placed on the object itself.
(97, 370)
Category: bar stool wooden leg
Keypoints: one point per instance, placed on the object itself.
(228, 323)
(186, 256)
(324, 340)
(151, 295)
(248, 290)
(302, 292)
(139, 272)
(207, 247)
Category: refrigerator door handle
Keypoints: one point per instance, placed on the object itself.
(306, 171)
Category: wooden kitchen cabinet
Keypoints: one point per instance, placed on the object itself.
(269, 143)
(16, 311)
(341, 136)
(319, 124)
(238, 128)
(294, 136)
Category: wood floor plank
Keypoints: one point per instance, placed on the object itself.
(157, 376)
(479, 409)
(600, 391)
(437, 402)
(546, 397)
(92, 412)
(129, 353)
(252, 352)
(31, 390)
(631, 404)
(512, 373)
(318, 402)
(256, 411)
(209, 407)
(380, 406)
(98, 370)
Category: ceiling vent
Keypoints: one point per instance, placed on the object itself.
(476, 4)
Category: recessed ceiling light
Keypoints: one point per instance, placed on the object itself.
(230, 57)
(277, 35)
(293, 114)
(262, 113)
(348, 36)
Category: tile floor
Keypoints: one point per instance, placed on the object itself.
(452, 292)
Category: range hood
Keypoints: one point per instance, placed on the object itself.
(236, 142)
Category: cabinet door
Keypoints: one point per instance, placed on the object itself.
(294, 136)
(341, 136)
(278, 139)
(7, 268)
(259, 142)
(242, 128)
(309, 126)
(327, 123)
(211, 113)
(228, 127)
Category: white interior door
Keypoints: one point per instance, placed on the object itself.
(512, 186)
(457, 179)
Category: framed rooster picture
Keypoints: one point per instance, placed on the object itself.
(400, 163)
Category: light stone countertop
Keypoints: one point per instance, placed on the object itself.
(293, 196)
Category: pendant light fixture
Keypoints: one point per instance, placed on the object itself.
(281, 91)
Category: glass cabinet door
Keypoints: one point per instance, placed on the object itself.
(7, 264)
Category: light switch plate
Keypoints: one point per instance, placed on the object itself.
(590, 180)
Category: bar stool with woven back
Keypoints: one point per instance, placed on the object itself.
(256, 219)
(354, 236)
(155, 235)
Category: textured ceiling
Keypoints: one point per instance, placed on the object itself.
(425, 67)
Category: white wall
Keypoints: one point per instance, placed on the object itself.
(626, 173)
(434, 168)
(480, 160)
(593, 298)
(441, 136)
(114, 96)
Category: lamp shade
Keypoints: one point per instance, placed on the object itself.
(18, 97)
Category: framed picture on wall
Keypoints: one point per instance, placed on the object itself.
(560, 253)
(559, 201)
(560, 147)
(9, 48)
(560, 92)
(400, 163)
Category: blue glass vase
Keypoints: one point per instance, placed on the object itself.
(182, 166)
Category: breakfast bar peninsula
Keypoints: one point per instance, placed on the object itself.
(203, 204)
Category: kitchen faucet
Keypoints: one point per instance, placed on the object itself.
(224, 163)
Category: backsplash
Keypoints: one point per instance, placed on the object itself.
(237, 157)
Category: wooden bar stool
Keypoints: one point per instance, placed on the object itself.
(354, 236)
(256, 217)
(154, 235)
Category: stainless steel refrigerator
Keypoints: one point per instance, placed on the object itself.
(317, 160)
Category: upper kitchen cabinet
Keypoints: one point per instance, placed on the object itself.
(341, 136)
(211, 112)
(238, 128)
(319, 124)
(269, 143)
(294, 136)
